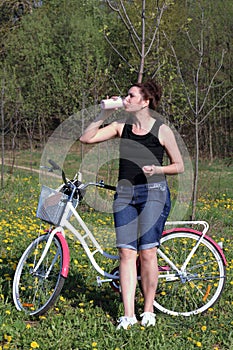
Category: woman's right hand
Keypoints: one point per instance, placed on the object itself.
(95, 132)
(112, 103)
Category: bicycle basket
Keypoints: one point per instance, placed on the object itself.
(51, 205)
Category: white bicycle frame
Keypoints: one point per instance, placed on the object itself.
(88, 235)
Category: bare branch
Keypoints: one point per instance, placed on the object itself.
(129, 22)
(212, 80)
(111, 7)
(157, 70)
(143, 29)
(116, 85)
(196, 83)
(113, 47)
(157, 20)
(191, 42)
(216, 105)
(185, 116)
(180, 73)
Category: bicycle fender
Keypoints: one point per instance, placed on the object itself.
(66, 254)
(208, 238)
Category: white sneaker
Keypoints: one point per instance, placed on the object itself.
(148, 319)
(126, 322)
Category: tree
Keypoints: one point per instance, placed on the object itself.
(198, 96)
(57, 56)
(192, 67)
(142, 30)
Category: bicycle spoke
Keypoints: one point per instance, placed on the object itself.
(34, 291)
(197, 287)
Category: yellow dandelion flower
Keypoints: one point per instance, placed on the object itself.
(34, 345)
(199, 345)
(8, 312)
(8, 338)
(203, 328)
(28, 326)
(94, 344)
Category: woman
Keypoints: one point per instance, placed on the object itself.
(142, 199)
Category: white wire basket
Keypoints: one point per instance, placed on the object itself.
(51, 205)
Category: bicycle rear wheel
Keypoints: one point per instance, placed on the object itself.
(197, 288)
(35, 292)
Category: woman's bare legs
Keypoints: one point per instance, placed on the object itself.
(149, 276)
(128, 279)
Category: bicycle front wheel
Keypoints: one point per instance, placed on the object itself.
(195, 289)
(34, 292)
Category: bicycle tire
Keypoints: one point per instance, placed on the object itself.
(202, 282)
(35, 293)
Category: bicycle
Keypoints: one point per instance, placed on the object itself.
(192, 266)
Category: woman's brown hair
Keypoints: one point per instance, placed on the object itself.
(151, 91)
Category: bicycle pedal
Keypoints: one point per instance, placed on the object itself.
(101, 281)
(164, 268)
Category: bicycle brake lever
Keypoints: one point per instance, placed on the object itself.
(54, 165)
(47, 168)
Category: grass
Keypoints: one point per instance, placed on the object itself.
(85, 315)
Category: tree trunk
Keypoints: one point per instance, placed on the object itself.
(142, 61)
(210, 143)
(196, 170)
(3, 135)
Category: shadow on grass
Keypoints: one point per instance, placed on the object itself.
(77, 290)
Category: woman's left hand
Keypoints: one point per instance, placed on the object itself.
(150, 170)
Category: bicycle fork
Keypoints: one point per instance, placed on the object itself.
(65, 253)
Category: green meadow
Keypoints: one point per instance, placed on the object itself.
(85, 315)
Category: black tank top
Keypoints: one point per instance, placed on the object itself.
(137, 151)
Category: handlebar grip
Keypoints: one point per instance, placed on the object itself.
(54, 165)
(107, 187)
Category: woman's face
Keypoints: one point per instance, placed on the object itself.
(134, 101)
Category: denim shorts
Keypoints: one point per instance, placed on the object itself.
(140, 213)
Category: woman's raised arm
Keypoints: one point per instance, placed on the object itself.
(94, 133)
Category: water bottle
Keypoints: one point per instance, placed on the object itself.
(111, 103)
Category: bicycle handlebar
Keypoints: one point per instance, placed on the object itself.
(100, 184)
(80, 186)
(107, 187)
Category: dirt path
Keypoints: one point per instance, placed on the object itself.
(32, 170)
